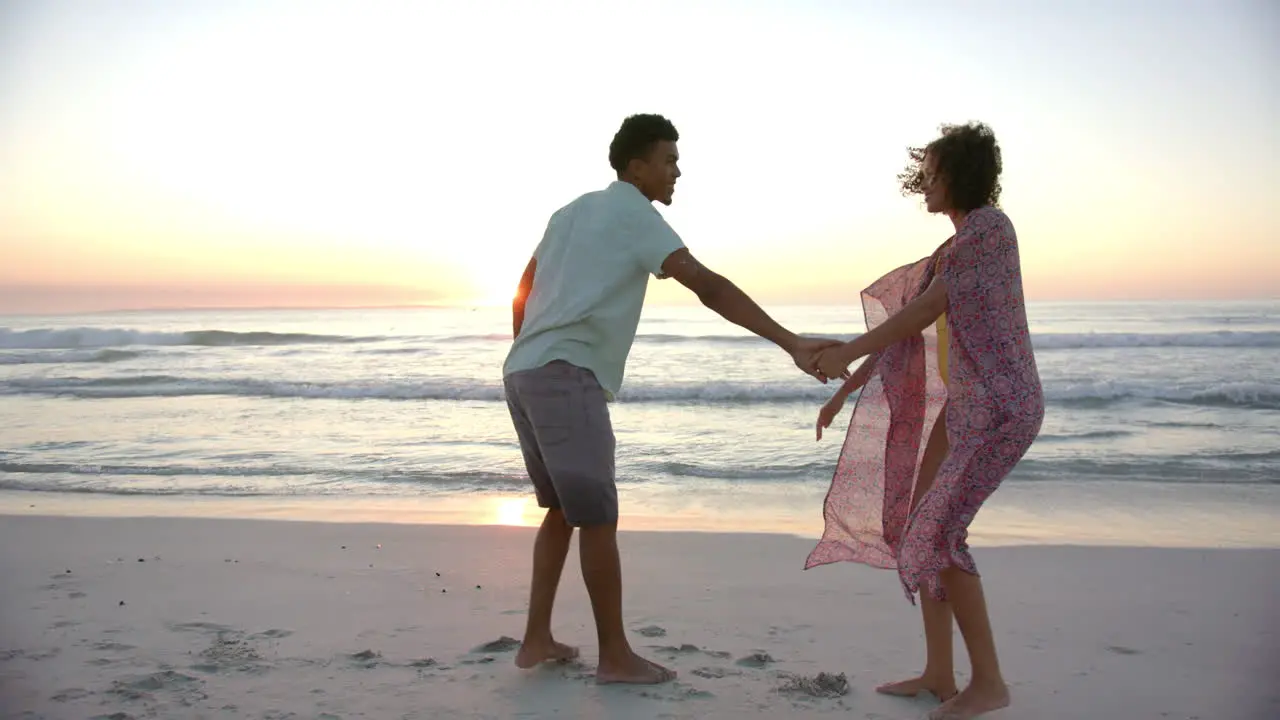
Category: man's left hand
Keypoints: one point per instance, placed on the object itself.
(807, 352)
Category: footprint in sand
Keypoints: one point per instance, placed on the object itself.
(366, 659)
(822, 685)
(200, 627)
(576, 670)
(231, 652)
(1122, 650)
(676, 691)
(652, 631)
(756, 660)
(690, 649)
(780, 630)
(70, 694)
(60, 581)
(8, 655)
(107, 646)
(684, 649)
(141, 688)
(715, 673)
(502, 644)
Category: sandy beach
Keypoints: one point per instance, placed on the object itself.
(204, 618)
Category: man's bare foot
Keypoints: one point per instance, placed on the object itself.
(635, 671)
(534, 653)
(944, 689)
(972, 702)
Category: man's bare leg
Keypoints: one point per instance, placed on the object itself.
(549, 552)
(602, 571)
(987, 690)
(939, 676)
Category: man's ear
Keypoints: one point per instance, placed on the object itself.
(635, 167)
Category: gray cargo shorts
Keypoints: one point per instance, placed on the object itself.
(562, 420)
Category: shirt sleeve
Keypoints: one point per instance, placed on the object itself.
(653, 240)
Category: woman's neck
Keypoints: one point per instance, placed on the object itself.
(957, 217)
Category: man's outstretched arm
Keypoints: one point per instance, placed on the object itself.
(729, 301)
(720, 294)
(522, 294)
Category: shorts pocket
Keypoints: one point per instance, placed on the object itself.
(553, 409)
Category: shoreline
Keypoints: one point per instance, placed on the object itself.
(1158, 516)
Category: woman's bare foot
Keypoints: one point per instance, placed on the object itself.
(974, 701)
(942, 688)
(635, 671)
(534, 653)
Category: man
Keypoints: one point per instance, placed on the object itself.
(574, 320)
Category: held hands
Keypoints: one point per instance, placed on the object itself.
(834, 360)
(807, 352)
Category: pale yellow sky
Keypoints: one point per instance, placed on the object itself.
(228, 154)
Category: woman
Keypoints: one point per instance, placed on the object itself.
(951, 365)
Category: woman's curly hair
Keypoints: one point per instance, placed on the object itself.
(968, 166)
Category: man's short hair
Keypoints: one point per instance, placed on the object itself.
(636, 138)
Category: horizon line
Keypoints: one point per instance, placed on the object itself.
(485, 304)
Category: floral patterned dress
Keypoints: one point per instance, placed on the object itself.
(993, 399)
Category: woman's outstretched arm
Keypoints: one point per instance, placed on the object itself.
(914, 317)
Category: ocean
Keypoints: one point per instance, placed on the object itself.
(1163, 421)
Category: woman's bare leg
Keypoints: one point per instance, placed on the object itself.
(987, 690)
(939, 676)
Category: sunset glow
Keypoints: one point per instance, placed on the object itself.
(511, 511)
(389, 154)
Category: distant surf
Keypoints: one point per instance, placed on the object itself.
(410, 403)
(85, 338)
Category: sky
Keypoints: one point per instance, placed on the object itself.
(252, 154)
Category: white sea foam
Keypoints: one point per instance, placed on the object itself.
(1241, 394)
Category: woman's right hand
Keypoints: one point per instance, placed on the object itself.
(830, 410)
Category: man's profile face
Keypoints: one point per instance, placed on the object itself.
(656, 174)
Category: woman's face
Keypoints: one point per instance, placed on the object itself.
(934, 186)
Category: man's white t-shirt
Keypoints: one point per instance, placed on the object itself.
(593, 268)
